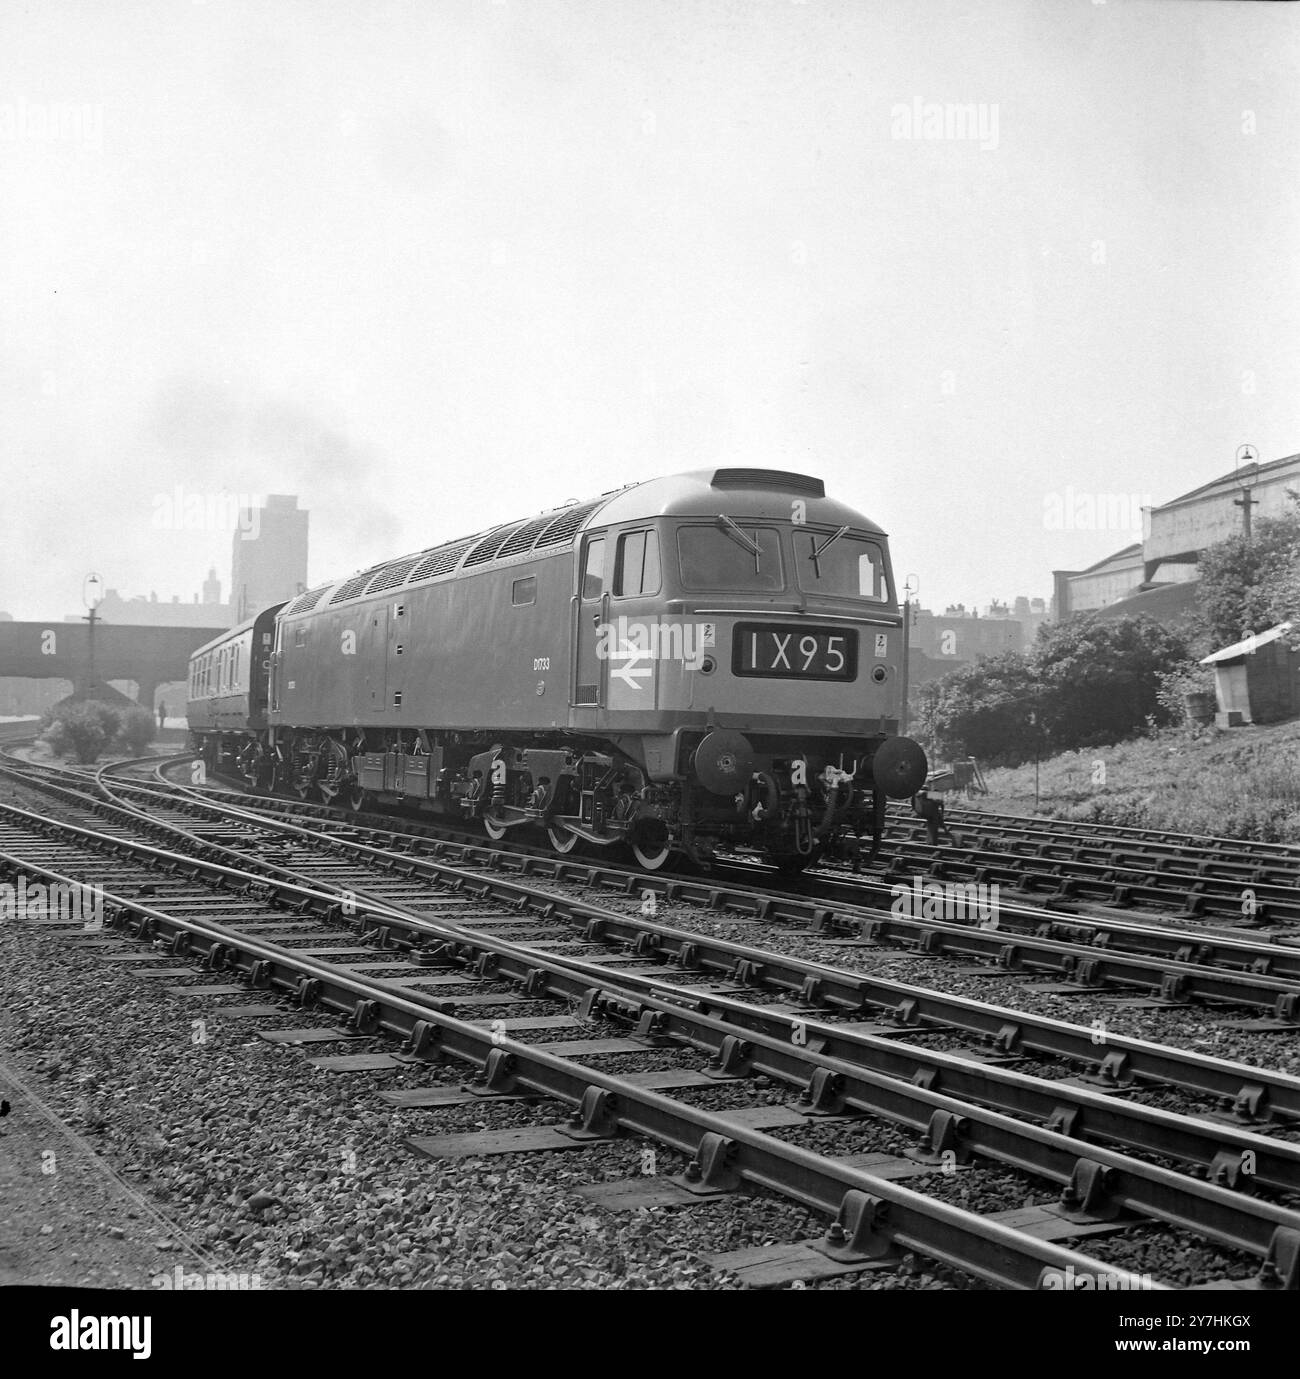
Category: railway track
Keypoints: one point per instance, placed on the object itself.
(837, 1069)
(1252, 885)
(1256, 973)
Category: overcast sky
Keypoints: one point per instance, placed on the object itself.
(436, 265)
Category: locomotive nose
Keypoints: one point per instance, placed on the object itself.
(899, 767)
(724, 762)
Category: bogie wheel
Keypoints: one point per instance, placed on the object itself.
(561, 839)
(493, 829)
(652, 847)
(355, 799)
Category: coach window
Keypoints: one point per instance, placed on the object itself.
(524, 591)
(637, 568)
(593, 569)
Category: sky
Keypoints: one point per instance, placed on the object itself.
(436, 265)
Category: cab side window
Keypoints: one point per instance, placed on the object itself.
(637, 568)
(593, 570)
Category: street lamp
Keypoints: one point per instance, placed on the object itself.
(910, 586)
(92, 594)
(1247, 469)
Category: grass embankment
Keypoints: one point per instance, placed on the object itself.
(1236, 782)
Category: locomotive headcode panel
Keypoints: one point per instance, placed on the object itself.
(704, 660)
(784, 651)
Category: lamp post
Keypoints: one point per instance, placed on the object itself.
(910, 586)
(1247, 468)
(1036, 722)
(92, 593)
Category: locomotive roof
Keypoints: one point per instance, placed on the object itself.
(766, 493)
(750, 493)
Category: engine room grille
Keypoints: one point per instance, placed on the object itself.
(440, 562)
(561, 530)
(304, 603)
(770, 478)
(487, 548)
(353, 586)
(392, 575)
(523, 537)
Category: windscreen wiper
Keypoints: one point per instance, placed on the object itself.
(819, 551)
(742, 537)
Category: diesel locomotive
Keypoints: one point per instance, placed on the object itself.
(705, 659)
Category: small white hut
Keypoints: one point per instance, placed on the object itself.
(1257, 680)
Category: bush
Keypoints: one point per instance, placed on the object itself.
(985, 710)
(136, 731)
(1101, 678)
(1188, 678)
(82, 730)
(1085, 682)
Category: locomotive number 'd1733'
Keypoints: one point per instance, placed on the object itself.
(785, 652)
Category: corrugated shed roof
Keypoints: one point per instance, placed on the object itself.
(1244, 648)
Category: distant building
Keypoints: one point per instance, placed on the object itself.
(1178, 531)
(1084, 591)
(1173, 536)
(942, 642)
(150, 611)
(269, 556)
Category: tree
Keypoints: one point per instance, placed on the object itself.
(982, 710)
(1251, 586)
(1100, 677)
(83, 729)
(1085, 682)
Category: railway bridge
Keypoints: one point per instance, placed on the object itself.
(151, 656)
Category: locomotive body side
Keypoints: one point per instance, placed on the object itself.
(465, 653)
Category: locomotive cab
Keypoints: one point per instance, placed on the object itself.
(743, 649)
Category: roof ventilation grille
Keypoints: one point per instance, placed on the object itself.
(770, 478)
